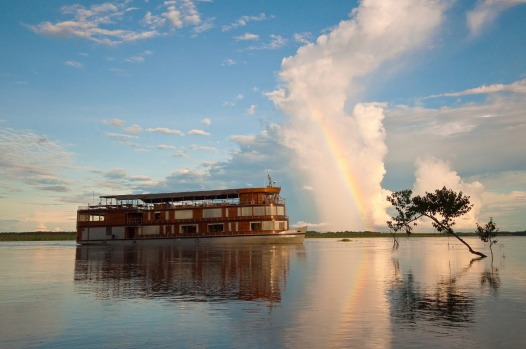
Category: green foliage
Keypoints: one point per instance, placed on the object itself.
(442, 207)
(488, 233)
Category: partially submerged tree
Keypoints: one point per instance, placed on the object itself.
(442, 207)
(488, 233)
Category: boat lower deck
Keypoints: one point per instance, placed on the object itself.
(286, 237)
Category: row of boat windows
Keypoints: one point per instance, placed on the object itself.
(207, 213)
(217, 227)
(218, 213)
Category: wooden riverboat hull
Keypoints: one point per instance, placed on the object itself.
(293, 236)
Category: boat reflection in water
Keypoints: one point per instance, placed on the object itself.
(184, 273)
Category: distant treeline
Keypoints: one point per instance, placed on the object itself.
(372, 234)
(39, 236)
(57, 236)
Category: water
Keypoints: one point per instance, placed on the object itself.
(322, 294)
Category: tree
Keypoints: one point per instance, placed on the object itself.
(488, 234)
(442, 207)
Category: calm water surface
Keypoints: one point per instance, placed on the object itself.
(322, 294)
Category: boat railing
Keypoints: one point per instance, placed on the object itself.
(150, 207)
(217, 219)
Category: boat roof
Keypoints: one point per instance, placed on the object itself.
(221, 194)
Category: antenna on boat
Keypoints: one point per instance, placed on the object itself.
(269, 180)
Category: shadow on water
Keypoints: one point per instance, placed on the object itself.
(195, 274)
(446, 304)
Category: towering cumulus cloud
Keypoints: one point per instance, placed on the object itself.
(432, 173)
(337, 142)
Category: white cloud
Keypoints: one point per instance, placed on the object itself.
(475, 137)
(247, 37)
(120, 135)
(107, 23)
(310, 225)
(229, 61)
(505, 207)
(183, 179)
(244, 20)
(181, 154)
(251, 110)
(114, 122)
(432, 173)
(32, 159)
(133, 129)
(232, 103)
(203, 147)
(120, 179)
(204, 26)
(206, 121)
(164, 146)
(73, 64)
(275, 42)
(165, 130)
(140, 57)
(341, 152)
(518, 87)
(173, 16)
(198, 132)
(118, 123)
(243, 139)
(302, 38)
(486, 11)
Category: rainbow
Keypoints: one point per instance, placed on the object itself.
(336, 148)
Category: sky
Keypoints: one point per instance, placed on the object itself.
(341, 102)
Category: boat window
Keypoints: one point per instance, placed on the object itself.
(270, 210)
(212, 213)
(189, 229)
(184, 214)
(281, 225)
(215, 228)
(268, 225)
(259, 211)
(255, 225)
(150, 230)
(244, 211)
(96, 217)
(157, 216)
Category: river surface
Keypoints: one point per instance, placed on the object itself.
(326, 293)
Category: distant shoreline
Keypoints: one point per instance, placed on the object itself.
(368, 234)
(65, 236)
(39, 236)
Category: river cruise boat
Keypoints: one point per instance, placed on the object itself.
(247, 215)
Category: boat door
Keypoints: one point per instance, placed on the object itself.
(130, 232)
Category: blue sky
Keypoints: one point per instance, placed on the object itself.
(341, 102)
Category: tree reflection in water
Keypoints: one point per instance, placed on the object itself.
(490, 279)
(448, 304)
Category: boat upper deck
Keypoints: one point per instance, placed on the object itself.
(242, 196)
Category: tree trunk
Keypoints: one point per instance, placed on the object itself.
(450, 231)
(465, 243)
